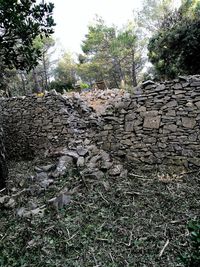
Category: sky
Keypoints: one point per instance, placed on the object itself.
(73, 17)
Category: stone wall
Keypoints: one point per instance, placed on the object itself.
(33, 125)
(157, 124)
(160, 123)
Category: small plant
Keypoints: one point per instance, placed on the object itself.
(84, 85)
(192, 257)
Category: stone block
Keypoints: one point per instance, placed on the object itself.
(152, 122)
(170, 127)
(197, 104)
(170, 104)
(129, 126)
(188, 122)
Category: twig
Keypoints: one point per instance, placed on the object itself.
(103, 198)
(165, 245)
(184, 173)
(130, 239)
(71, 237)
(2, 190)
(3, 237)
(19, 193)
(111, 257)
(136, 175)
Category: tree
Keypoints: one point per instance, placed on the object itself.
(112, 53)
(41, 73)
(174, 49)
(65, 73)
(150, 17)
(20, 23)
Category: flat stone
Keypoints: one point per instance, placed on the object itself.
(81, 151)
(45, 168)
(150, 113)
(188, 122)
(80, 162)
(170, 127)
(195, 161)
(152, 122)
(195, 83)
(130, 117)
(171, 113)
(170, 104)
(177, 86)
(108, 127)
(197, 104)
(160, 87)
(141, 109)
(129, 126)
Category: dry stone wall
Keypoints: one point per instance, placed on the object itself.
(157, 124)
(34, 125)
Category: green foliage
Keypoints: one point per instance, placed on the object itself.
(65, 72)
(21, 22)
(192, 257)
(110, 54)
(84, 85)
(60, 86)
(174, 49)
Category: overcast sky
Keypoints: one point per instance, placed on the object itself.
(72, 18)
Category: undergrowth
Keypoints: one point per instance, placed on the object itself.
(135, 221)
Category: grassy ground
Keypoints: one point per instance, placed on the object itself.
(136, 221)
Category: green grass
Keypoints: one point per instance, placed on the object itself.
(109, 223)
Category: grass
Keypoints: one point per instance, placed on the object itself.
(115, 222)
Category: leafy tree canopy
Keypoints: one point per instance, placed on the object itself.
(174, 49)
(21, 21)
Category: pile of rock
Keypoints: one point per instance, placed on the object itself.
(89, 160)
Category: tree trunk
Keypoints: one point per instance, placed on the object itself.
(37, 88)
(134, 79)
(23, 82)
(3, 165)
(45, 71)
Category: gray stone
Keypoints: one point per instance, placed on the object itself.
(170, 127)
(152, 122)
(177, 86)
(188, 122)
(129, 126)
(81, 150)
(131, 116)
(45, 168)
(170, 104)
(141, 109)
(60, 201)
(197, 104)
(80, 162)
(151, 113)
(108, 127)
(116, 170)
(171, 113)
(41, 176)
